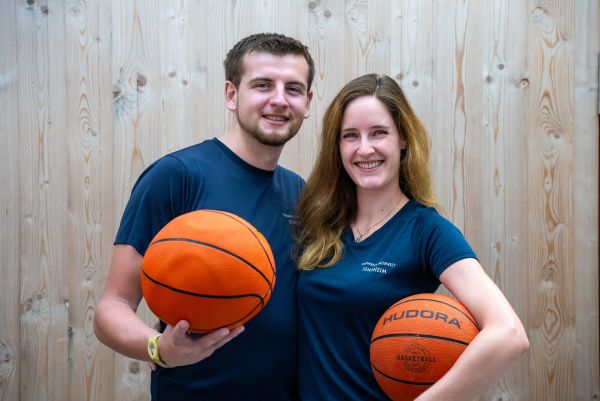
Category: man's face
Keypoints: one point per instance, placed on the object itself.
(272, 99)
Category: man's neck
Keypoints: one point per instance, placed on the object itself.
(250, 150)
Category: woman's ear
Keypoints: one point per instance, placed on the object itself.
(402, 142)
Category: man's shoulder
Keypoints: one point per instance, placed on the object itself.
(286, 178)
(193, 152)
(287, 173)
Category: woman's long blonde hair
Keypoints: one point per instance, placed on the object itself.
(327, 204)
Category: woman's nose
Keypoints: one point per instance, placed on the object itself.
(365, 147)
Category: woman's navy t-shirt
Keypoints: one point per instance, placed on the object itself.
(339, 306)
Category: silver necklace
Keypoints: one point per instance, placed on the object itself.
(361, 236)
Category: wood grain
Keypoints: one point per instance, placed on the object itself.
(503, 237)
(95, 91)
(85, 76)
(550, 158)
(10, 218)
(585, 198)
(132, 85)
(43, 196)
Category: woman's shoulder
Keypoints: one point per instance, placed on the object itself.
(428, 218)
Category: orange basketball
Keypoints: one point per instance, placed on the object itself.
(211, 268)
(416, 341)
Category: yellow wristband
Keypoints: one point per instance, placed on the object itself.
(153, 350)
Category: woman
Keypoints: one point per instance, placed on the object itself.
(369, 235)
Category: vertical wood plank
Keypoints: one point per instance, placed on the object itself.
(44, 334)
(128, 157)
(448, 107)
(10, 241)
(503, 193)
(58, 290)
(220, 28)
(104, 385)
(356, 40)
(412, 58)
(550, 160)
(585, 199)
(130, 87)
(324, 36)
(169, 106)
(198, 122)
(379, 38)
(86, 84)
(292, 19)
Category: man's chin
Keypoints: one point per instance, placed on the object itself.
(275, 140)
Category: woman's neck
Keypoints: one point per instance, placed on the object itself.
(371, 205)
(374, 210)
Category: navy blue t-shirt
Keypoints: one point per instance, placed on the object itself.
(260, 364)
(339, 306)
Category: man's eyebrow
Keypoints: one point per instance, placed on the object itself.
(266, 79)
(302, 84)
(260, 79)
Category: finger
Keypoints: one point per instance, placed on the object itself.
(234, 333)
(180, 330)
(152, 365)
(210, 339)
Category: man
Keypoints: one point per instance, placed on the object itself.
(267, 88)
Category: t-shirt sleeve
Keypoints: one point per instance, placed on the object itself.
(440, 243)
(157, 197)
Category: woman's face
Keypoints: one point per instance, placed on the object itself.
(370, 145)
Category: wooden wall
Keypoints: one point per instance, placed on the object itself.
(91, 92)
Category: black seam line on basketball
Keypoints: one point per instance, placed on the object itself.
(440, 302)
(214, 247)
(420, 336)
(251, 232)
(402, 381)
(196, 294)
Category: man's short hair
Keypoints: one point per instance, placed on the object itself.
(272, 43)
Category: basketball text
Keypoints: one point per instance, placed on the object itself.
(424, 314)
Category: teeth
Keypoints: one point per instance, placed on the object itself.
(369, 164)
(276, 118)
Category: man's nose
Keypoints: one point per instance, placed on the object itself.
(278, 95)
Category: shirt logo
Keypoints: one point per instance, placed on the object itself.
(378, 267)
(289, 217)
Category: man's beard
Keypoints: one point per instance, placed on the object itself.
(269, 140)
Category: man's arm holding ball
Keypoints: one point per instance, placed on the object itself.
(119, 327)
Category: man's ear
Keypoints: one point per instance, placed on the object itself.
(309, 97)
(230, 96)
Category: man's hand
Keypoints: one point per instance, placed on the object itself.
(178, 348)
